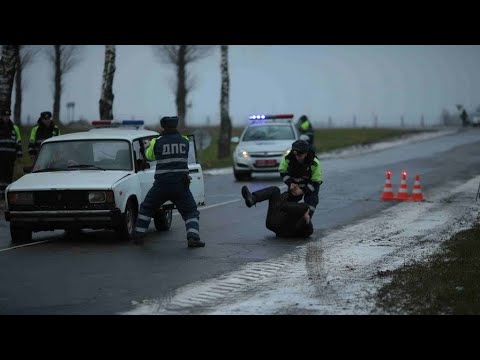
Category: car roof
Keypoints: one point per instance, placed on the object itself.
(105, 134)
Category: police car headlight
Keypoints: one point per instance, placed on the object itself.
(97, 197)
(20, 198)
(242, 153)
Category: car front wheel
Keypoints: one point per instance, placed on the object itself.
(126, 229)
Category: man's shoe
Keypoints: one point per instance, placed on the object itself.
(195, 243)
(247, 195)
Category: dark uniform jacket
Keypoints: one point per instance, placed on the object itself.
(40, 133)
(171, 152)
(10, 141)
(285, 218)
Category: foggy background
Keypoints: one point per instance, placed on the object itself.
(321, 81)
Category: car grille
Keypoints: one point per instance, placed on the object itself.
(61, 200)
(266, 155)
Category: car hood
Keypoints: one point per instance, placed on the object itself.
(68, 180)
(266, 146)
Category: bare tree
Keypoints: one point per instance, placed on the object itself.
(25, 57)
(63, 59)
(180, 56)
(106, 98)
(225, 122)
(8, 65)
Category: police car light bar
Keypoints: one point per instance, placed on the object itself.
(271, 117)
(133, 122)
(112, 123)
(101, 122)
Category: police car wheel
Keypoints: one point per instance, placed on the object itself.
(163, 220)
(20, 234)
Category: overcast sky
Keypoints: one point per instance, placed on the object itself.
(316, 80)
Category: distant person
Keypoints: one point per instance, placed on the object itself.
(10, 149)
(44, 129)
(285, 217)
(305, 128)
(464, 117)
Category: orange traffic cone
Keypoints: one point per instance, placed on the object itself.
(417, 194)
(387, 189)
(402, 193)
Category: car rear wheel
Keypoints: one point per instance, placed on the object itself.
(126, 229)
(20, 234)
(163, 219)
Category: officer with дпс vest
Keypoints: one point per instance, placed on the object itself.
(10, 149)
(172, 182)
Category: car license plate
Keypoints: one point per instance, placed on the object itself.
(265, 163)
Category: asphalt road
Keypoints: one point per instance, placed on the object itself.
(95, 273)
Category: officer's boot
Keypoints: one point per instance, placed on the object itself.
(249, 198)
(194, 242)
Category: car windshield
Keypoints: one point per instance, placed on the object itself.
(269, 132)
(84, 155)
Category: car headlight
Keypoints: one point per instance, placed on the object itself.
(97, 197)
(242, 153)
(20, 198)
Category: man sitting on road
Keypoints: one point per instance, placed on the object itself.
(285, 217)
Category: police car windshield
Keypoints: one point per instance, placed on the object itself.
(269, 132)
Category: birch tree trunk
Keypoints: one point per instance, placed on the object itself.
(106, 97)
(225, 122)
(8, 65)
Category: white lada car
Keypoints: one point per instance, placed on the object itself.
(263, 144)
(94, 179)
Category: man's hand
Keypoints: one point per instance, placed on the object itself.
(307, 217)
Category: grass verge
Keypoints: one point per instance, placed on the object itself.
(444, 283)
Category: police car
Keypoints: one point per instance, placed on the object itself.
(93, 179)
(262, 145)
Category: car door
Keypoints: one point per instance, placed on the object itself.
(197, 186)
(145, 175)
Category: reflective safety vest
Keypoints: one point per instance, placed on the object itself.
(38, 135)
(171, 153)
(10, 140)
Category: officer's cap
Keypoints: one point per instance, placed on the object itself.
(169, 122)
(300, 146)
(46, 115)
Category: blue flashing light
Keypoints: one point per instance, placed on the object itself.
(133, 122)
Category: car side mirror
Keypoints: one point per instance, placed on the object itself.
(27, 169)
(235, 140)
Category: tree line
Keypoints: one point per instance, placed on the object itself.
(63, 58)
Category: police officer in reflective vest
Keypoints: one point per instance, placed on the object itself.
(44, 129)
(303, 168)
(10, 149)
(305, 128)
(171, 182)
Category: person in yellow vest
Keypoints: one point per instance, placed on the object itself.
(305, 128)
(44, 129)
(10, 149)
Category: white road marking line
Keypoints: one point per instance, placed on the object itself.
(30, 244)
